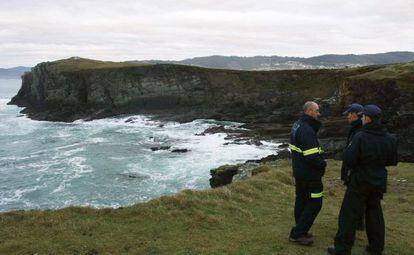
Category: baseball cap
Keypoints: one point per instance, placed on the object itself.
(372, 110)
(356, 108)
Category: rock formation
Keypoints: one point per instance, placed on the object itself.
(267, 101)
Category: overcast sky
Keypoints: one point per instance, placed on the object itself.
(36, 31)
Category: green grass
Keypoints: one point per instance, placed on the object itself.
(403, 71)
(78, 64)
(247, 217)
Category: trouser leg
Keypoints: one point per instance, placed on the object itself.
(361, 221)
(310, 210)
(349, 215)
(375, 223)
(300, 201)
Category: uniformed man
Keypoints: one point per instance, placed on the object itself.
(353, 115)
(370, 151)
(308, 169)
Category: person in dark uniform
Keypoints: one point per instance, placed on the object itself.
(308, 169)
(369, 152)
(353, 115)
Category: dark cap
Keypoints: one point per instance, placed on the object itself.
(372, 110)
(355, 108)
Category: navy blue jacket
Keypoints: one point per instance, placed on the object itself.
(356, 126)
(307, 162)
(370, 151)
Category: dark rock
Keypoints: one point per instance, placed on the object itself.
(254, 142)
(130, 120)
(136, 176)
(222, 175)
(160, 148)
(268, 102)
(214, 130)
(333, 147)
(283, 154)
(180, 150)
(283, 146)
(222, 129)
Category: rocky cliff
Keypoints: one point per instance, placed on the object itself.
(267, 101)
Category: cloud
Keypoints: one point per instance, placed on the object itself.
(35, 31)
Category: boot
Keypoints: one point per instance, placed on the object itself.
(302, 240)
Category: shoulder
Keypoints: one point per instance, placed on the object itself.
(307, 128)
(359, 135)
(392, 137)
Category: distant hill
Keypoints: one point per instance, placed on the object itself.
(279, 63)
(262, 62)
(13, 73)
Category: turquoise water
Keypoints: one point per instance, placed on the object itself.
(107, 162)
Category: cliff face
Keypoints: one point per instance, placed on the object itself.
(268, 101)
(53, 88)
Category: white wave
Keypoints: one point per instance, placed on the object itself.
(96, 140)
(68, 146)
(78, 167)
(70, 153)
(61, 187)
(16, 195)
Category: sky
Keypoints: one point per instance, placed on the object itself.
(35, 31)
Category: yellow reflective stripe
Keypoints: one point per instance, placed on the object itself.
(317, 195)
(312, 151)
(294, 148)
(307, 152)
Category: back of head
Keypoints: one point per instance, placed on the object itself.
(374, 112)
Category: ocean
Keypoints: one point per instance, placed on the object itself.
(106, 162)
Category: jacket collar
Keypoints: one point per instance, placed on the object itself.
(356, 124)
(375, 128)
(314, 123)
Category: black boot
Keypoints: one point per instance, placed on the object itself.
(331, 250)
(370, 251)
(302, 240)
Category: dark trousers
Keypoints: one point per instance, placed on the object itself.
(356, 203)
(307, 206)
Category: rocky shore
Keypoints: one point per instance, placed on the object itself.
(266, 101)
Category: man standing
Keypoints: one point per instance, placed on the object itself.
(369, 152)
(308, 169)
(353, 115)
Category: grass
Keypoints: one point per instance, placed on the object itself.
(253, 216)
(404, 71)
(78, 64)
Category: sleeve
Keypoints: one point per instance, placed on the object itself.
(352, 153)
(343, 171)
(311, 150)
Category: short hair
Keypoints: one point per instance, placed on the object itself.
(308, 105)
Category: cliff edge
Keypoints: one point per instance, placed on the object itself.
(267, 101)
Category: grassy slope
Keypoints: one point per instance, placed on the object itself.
(77, 64)
(248, 217)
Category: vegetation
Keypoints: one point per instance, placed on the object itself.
(77, 64)
(253, 216)
(403, 71)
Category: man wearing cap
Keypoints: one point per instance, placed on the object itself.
(308, 169)
(353, 115)
(370, 151)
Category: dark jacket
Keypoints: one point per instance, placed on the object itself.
(370, 151)
(356, 126)
(307, 162)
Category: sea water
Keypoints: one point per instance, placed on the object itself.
(106, 162)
